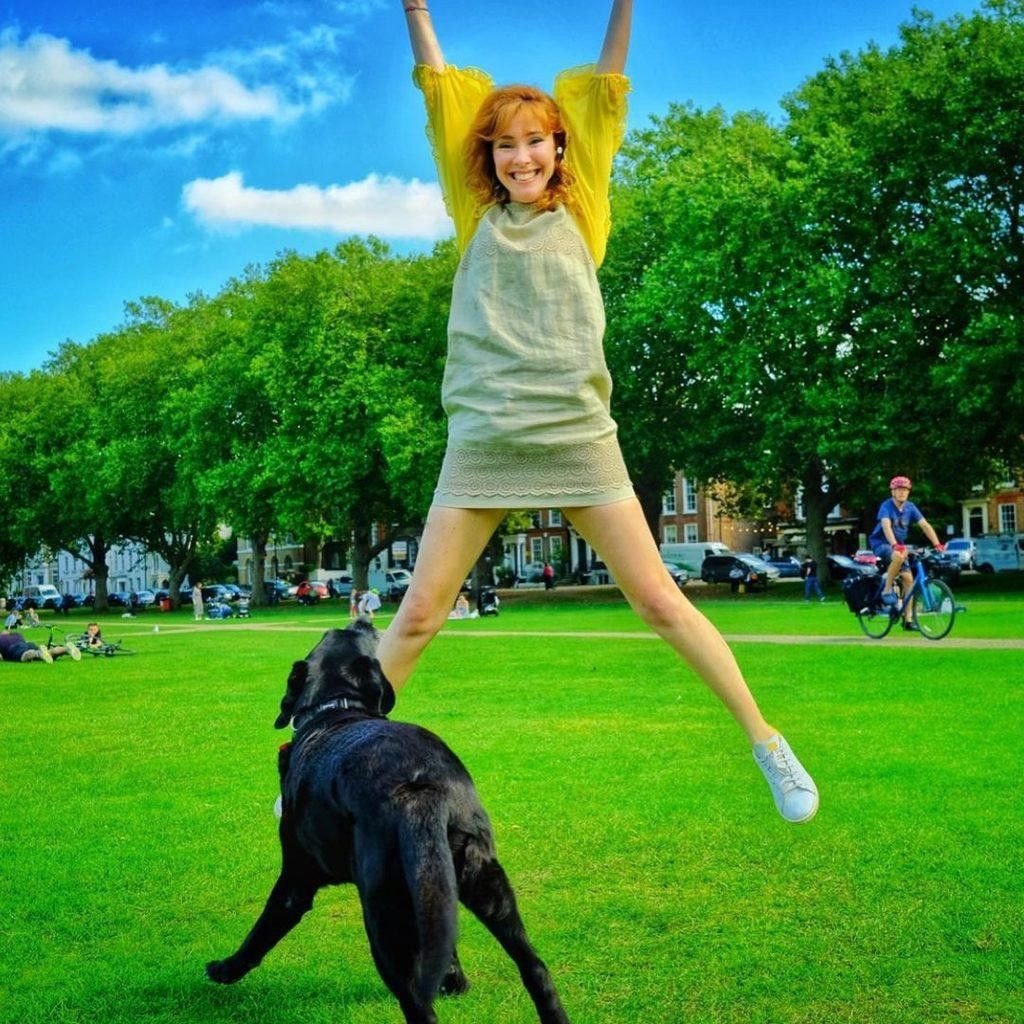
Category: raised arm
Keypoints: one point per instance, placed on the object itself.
(616, 38)
(425, 47)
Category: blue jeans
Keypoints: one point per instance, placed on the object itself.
(811, 585)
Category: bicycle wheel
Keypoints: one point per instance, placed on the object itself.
(935, 610)
(876, 622)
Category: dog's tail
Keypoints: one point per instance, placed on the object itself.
(430, 876)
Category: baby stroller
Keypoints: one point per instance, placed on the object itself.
(487, 601)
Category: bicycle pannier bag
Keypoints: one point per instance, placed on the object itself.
(859, 592)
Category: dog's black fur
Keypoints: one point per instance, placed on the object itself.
(389, 807)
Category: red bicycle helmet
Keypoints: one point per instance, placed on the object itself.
(899, 481)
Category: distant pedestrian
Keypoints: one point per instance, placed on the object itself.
(369, 602)
(197, 600)
(812, 585)
(548, 574)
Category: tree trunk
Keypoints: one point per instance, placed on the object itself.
(650, 494)
(258, 594)
(817, 502)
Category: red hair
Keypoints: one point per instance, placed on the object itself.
(496, 112)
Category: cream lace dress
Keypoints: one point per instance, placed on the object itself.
(526, 389)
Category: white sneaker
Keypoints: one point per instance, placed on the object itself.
(45, 655)
(793, 790)
(76, 654)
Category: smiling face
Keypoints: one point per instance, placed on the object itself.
(524, 157)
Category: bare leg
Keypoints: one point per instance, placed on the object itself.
(906, 585)
(620, 534)
(895, 569)
(452, 541)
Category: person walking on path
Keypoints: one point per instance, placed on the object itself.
(812, 585)
(525, 176)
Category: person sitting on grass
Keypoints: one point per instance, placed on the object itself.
(14, 647)
(93, 635)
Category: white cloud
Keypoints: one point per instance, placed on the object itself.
(46, 85)
(382, 206)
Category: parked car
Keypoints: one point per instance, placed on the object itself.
(275, 590)
(217, 592)
(680, 576)
(945, 565)
(964, 548)
(341, 585)
(115, 599)
(841, 566)
(738, 569)
(236, 592)
(143, 598)
(788, 566)
(311, 591)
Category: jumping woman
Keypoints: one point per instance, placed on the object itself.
(525, 177)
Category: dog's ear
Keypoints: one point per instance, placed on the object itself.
(373, 684)
(296, 684)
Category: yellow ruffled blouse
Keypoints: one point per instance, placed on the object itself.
(526, 388)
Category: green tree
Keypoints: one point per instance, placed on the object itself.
(22, 482)
(914, 161)
(783, 315)
(351, 346)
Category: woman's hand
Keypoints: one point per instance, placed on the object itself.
(425, 47)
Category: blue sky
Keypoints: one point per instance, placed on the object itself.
(160, 148)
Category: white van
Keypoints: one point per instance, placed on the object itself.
(46, 595)
(391, 583)
(691, 554)
(999, 553)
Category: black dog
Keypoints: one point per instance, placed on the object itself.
(389, 807)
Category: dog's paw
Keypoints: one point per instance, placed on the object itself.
(454, 983)
(225, 972)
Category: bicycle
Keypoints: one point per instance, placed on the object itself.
(934, 610)
(105, 649)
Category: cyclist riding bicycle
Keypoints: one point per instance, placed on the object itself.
(888, 540)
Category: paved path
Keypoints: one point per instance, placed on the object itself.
(469, 630)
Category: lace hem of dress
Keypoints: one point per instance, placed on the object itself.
(548, 472)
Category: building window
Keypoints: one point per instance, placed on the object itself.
(689, 496)
(670, 533)
(535, 520)
(555, 517)
(668, 503)
(690, 533)
(975, 521)
(555, 549)
(537, 549)
(1007, 518)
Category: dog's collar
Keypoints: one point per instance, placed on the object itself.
(339, 703)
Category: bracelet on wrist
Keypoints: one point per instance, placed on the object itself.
(409, 10)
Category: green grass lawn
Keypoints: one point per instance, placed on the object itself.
(654, 875)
